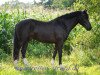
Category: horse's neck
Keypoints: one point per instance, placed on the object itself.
(70, 24)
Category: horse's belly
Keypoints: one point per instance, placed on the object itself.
(46, 38)
(44, 35)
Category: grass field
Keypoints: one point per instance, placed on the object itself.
(42, 66)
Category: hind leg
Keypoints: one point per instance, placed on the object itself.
(23, 51)
(16, 54)
(54, 55)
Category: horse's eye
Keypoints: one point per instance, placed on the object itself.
(85, 16)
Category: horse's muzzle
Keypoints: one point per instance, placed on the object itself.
(88, 29)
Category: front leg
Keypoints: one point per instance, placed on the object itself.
(60, 45)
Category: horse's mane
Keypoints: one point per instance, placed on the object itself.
(65, 16)
(69, 15)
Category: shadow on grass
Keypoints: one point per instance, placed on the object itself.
(49, 72)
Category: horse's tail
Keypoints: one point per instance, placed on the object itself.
(16, 46)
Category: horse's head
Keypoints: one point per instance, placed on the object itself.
(84, 20)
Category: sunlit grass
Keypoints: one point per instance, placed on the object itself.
(6, 68)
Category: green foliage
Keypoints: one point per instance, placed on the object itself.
(39, 49)
(2, 55)
(5, 32)
(62, 3)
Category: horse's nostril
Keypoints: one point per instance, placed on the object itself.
(89, 28)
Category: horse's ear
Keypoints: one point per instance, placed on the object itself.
(85, 10)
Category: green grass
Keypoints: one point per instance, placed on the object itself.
(6, 68)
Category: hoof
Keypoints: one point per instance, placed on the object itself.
(52, 62)
(26, 62)
(62, 67)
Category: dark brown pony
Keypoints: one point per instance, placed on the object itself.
(55, 31)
